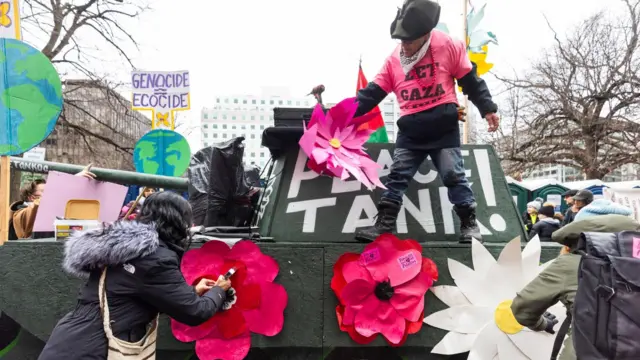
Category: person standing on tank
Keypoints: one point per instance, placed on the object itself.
(422, 72)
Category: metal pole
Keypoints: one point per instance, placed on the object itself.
(114, 176)
(465, 125)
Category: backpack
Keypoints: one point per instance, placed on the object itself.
(606, 319)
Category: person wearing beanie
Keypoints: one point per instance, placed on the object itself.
(559, 281)
(530, 217)
(600, 207)
(422, 72)
(547, 224)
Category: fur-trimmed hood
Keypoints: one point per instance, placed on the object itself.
(117, 244)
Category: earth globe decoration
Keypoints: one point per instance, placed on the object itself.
(30, 97)
(162, 152)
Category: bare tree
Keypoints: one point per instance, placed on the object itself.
(578, 105)
(80, 37)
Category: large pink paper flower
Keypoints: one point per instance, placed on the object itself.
(333, 144)
(256, 306)
(381, 291)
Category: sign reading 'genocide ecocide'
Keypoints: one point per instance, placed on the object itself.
(162, 93)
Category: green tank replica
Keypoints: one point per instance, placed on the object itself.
(312, 220)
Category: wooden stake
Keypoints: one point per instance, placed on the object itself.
(465, 125)
(5, 180)
(135, 203)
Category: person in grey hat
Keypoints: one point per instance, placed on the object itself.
(581, 199)
(569, 215)
(422, 72)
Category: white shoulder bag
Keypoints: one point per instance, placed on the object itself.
(144, 349)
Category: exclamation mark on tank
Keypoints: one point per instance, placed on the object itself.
(483, 164)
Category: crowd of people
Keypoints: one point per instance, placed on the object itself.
(542, 220)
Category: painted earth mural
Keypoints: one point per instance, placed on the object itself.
(162, 152)
(30, 97)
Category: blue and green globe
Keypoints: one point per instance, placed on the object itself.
(30, 97)
(162, 152)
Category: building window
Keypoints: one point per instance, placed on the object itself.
(297, 103)
(244, 101)
(280, 102)
(226, 101)
(288, 102)
(261, 117)
(215, 117)
(233, 127)
(253, 154)
(253, 117)
(306, 103)
(233, 117)
(206, 135)
(271, 102)
(224, 117)
(243, 127)
(271, 117)
(206, 126)
(261, 127)
(224, 136)
(206, 116)
(253, 127)
(253, 136)
(224, 126)
(217, 100)
(215, 136)
(235, 101)
(215, 126)
(253, 102)
(262, 102)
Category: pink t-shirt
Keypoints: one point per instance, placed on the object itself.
(415, 95)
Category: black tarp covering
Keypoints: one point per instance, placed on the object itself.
(229, 195)
(198, 174)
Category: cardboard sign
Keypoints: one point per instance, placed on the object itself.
(63, 187)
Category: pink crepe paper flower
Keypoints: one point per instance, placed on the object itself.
(257, 305)
(381, 291)
(333, 144)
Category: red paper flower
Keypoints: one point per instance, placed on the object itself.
(256, 304)
(381, 291)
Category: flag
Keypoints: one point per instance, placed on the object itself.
(377, 123)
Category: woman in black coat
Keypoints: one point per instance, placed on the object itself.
(143, 279)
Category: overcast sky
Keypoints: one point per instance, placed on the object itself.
(234, 47)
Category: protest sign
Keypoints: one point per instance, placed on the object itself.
(10, 19)
(161, 92)
(627, 197)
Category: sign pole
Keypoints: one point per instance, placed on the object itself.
(465, 125)
(5, 164)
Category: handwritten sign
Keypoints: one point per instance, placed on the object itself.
(627, 197)
(10, 19)
(162, 93)
(370, 256)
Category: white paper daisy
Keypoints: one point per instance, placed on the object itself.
(479, 317)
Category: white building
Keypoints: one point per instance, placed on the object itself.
(248, 116)
(567, 174)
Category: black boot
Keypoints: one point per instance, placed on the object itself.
(468, 225)
(385, 221)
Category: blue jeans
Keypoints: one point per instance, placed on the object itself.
(448, 163)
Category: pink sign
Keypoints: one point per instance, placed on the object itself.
(370, 256)
(61, 188)
(636, 248)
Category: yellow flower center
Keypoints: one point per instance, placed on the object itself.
(335, 143)
(505, 320)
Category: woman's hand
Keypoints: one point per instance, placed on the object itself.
(224, 283)
(86, 172)
(204, 285)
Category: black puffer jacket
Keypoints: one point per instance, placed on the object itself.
(544, 228)
(151, 282)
